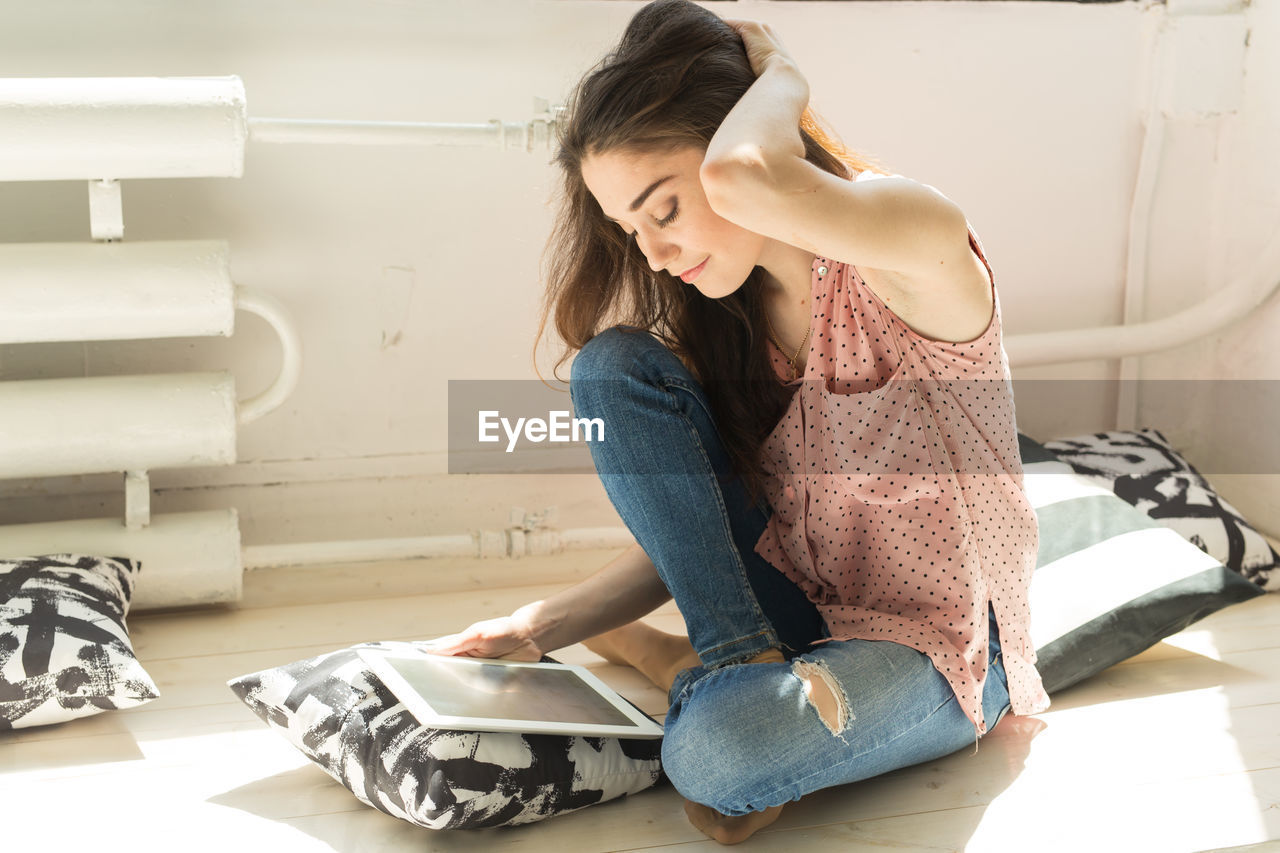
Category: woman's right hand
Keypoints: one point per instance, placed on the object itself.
(623, 591)
(508, 637)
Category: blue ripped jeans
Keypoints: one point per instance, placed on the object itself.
(744, 738)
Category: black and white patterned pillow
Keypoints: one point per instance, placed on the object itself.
(1143, 468)
(64, 647)
(1109, 582)
(341, 716)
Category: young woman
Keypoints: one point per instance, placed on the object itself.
(808, 430)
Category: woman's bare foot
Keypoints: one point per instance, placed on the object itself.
(728, 829)
(658, 655)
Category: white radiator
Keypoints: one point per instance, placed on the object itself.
(103, 130)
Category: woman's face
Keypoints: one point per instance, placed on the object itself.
(672, 223)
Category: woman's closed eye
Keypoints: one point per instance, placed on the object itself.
(662, 223)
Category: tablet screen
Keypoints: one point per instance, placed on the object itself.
(468, 688)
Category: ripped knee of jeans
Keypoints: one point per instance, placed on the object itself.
(824, 693)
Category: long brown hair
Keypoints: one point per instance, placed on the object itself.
(669, 83)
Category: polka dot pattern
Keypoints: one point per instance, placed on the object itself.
(896, 485)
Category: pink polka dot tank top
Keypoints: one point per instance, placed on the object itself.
(896, 487)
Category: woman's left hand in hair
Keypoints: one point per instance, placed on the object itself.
(762, 44)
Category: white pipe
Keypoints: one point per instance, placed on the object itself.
(270, 309)
(1211, 315)
(127, 291)
(57, 427)
(96, 128)
(595, 538)
(524, 136)
(359, 550)
(513, 542)
(1135, 283)
(186, 558)
(115, 291)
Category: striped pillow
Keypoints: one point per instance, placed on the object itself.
(1109, 582)
(1142, 468)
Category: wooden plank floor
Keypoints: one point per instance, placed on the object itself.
(1177, 749)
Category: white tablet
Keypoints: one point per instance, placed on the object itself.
(485, 694)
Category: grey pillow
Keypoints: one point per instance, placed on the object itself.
(64, 647)
(341, 716)
(1143, 468)
(1109, 582)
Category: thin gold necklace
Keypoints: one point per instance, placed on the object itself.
(791, 362)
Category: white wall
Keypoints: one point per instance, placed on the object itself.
(405, 267)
